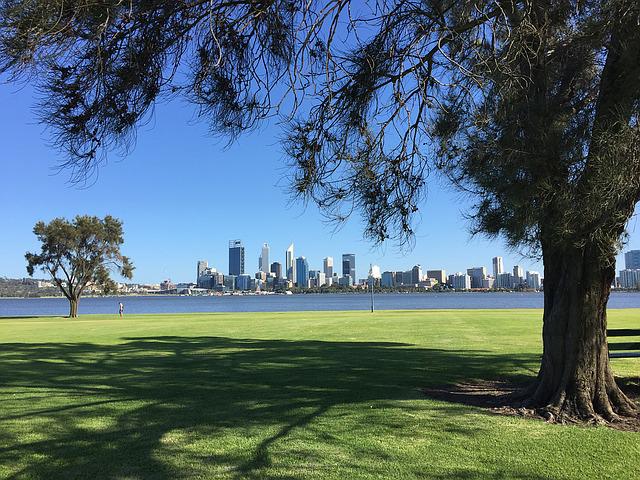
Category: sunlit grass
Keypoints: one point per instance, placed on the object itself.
(284, 395)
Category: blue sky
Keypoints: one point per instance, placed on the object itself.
(182, 195)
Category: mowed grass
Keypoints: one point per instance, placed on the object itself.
(318, 395)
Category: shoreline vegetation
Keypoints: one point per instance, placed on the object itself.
(31, 288)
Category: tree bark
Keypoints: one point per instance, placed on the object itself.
(73, 307)
(575, 380)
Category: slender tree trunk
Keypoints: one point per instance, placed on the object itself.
(73, 307)
(575, 379)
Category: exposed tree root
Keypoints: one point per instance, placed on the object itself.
(620, 411)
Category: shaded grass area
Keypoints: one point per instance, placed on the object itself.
(296, 395)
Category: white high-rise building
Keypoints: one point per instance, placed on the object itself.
(498, 266)
(460, 281)
(263, 261)
(375, 272)
(518, 275)
(533, 280)
(328, 267)
(290, 264)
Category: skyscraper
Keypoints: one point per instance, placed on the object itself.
(518, 275)
(276, 269)
(349, 265)
(328, 267)
(632, 260)
(302, 272)
(263, 261)
(236, 257)
(477, 274)
(498, 266)
(290, 264)
(416, 274)
(202, 266)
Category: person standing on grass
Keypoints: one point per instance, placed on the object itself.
(121, 309)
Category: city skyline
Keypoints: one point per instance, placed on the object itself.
(168, 223)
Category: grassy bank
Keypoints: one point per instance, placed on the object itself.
(284, 395)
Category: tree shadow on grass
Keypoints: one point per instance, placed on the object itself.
(110, 408)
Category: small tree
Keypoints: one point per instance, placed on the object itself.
(80, 254)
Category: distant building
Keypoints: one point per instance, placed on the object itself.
(302, 272)
(375, 272)
(328, 267)
(518, 275)
(349, 265)
(632, 260)
(167, 285)
(261, 276)
(504, 280)
(290, 264)
(236, 257)
(477, 274)
(428, 283)
(230, 282)
(276, 269)
(488, 283)
(439, 275)
(629, 278)
(498, 267)
(388, 279)
(533, 280)
(263, 260)
(460, 281)
(345, 281)
(202, 266)
(416, 274)
(407, 278)
(397, 280)
(243, 282)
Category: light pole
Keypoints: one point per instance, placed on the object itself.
(371, 282)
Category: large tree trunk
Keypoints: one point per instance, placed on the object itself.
(575, 379)
(73, 307)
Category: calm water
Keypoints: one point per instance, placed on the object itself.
(281, 303)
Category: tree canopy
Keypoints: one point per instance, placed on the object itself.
(79, 254)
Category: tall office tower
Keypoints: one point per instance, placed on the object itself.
(302, 272)
(518, 274)
(498, 266)
(416, 274)
(236, 257)
(290, 264)
(632, 260)
(349, 265)
(263, 261)
(328, 267)
(276, 269)
(477, 274)
(202, 266)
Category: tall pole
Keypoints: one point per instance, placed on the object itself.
(371, 282)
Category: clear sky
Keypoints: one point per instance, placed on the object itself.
(182, 195)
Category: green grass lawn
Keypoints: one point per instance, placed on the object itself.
(326, 395)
